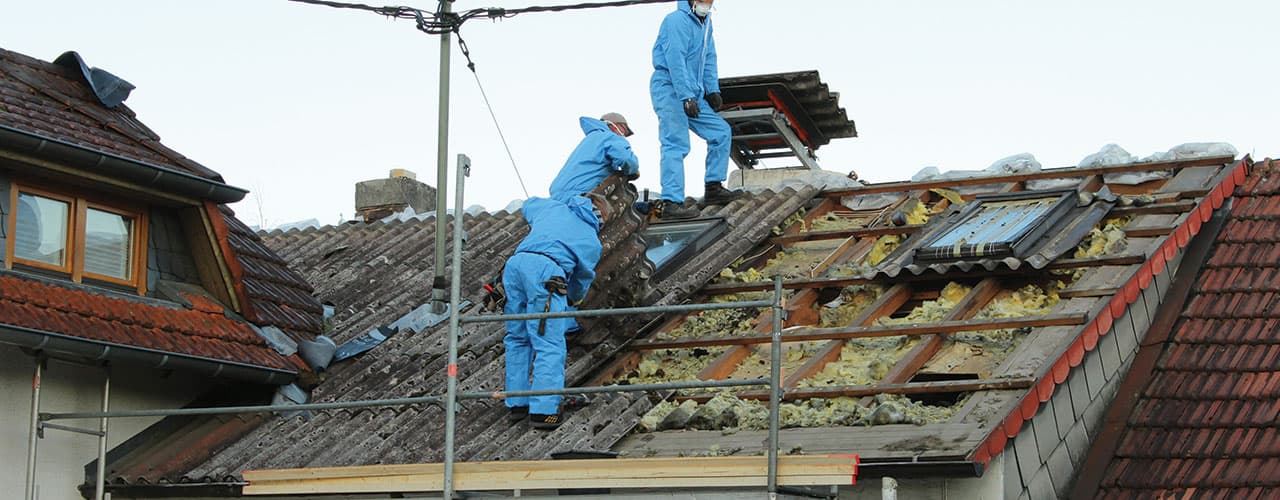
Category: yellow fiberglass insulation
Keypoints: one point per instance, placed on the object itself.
(794, 355)
(727, 413)
(790, 264)
(862, 362)
(918, 213)
(832, 221)
(672, 365)
(714, 323)
(883, 247)
(932, 310)
(1106, 239)
(795, 218)
(1030, 300)
(750, 275)
(854, 300)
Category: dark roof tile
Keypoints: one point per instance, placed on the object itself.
(1206, 423)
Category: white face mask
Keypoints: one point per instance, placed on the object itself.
(701, 9)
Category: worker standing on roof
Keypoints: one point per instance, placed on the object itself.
(602, 152)
(552, 267)
(685, 90)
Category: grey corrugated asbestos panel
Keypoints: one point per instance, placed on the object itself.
(375, 273)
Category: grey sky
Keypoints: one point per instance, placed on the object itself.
(298, 102)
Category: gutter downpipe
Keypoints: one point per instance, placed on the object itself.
(775, 385)
(455, 296)
(100, 480)
(33, 438)
(442, 168)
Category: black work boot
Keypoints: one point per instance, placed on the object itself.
(517, 413)
(544, 422)
(716, 194)
(670, 210)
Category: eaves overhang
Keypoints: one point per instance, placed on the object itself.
(114, 166)
(97, 350)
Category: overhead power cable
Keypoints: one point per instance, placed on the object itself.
(439, 22)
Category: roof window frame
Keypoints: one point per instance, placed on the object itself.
(1015, 247)
(714, 228)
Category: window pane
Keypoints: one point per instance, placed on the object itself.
(108, 244)
(41, 235)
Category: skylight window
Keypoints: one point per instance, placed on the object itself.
(998, 226)
(667, 244)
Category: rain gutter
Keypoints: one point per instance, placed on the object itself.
(931, 469)
(172, 490)
(41, 340)
(114, 166)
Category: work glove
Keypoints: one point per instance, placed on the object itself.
(496, 298)
(633, 176)
(715, 101)
(691, 108)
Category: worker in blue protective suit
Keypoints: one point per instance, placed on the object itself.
(552, 267)
(602, 152)
(685, 90)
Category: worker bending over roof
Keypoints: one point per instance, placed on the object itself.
(602, 152)
(552, 267)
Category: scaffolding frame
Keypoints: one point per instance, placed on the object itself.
(41, 420)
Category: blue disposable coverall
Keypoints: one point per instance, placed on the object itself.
(562, 242)
(684, 67)
(600, 153)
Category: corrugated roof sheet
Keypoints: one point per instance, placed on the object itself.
(1205, 423)
(374, 273)
(819, 114)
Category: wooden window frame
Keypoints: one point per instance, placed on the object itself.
(79, 204)
(11, 249)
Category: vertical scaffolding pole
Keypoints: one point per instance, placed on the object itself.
(455, 293)
(775, 384)
(99, 487)
(33, 438)
(442, 168)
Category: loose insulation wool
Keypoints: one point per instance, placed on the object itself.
(1106, 239)
(672, 365)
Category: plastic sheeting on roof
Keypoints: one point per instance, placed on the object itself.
(1023, 163)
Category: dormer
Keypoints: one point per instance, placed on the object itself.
(96, 211)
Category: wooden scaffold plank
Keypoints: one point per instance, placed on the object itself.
(687, 472)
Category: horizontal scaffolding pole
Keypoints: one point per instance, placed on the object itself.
(340, 405)
(872, 331)
(77, 430)
(619, 312)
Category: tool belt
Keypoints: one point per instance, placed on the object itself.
(557, 286)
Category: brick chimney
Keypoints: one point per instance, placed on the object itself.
(379, 198)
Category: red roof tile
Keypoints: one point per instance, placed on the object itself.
(1208, 423)
(204, 331)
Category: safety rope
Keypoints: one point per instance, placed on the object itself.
(471, 65)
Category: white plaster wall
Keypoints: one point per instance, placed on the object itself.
(70, 387)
